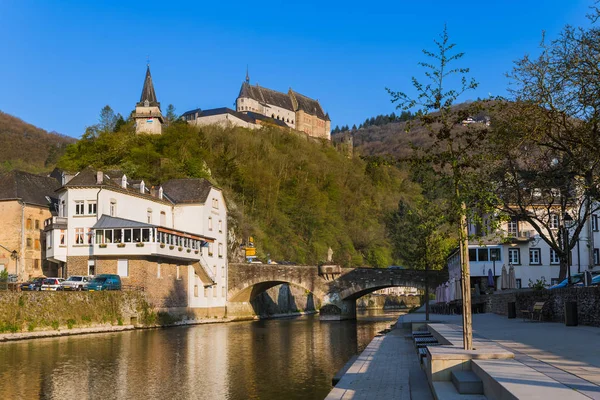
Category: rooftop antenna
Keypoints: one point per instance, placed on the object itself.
(148, 60)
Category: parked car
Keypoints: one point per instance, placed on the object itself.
(51, 283)
(105, 282)
(33, 285)
(75, 282)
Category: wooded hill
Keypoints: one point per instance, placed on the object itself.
(296, 196)
(26, 147)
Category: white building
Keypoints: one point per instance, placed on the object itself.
(170, 240)
(519, 245)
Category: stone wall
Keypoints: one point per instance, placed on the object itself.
(35, 311)
(385, 302)
(587, 298)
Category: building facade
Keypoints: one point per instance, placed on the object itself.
(294, 109)
(226, 118)
(148, 117)
(169, 241)
(518, 244)
(26, 200)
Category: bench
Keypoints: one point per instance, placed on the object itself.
(536, 310)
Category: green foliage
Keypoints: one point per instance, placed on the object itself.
(539, 284)
(70, 323)
(54, 324)
(4, 275)
(296, 196)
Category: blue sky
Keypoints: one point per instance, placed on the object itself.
(62, 61)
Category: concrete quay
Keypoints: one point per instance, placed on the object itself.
(540, 360)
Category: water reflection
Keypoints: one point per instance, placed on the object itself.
(271, 359)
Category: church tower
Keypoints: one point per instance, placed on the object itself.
(148, 118)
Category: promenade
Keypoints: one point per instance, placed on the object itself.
(388, 368)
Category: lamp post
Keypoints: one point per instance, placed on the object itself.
(494, 257)
(567, 223)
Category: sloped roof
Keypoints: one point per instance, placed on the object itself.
(266, 96)
(308, 105)
(108, 222)
(188, 190)
(29, 188)
(148, 92)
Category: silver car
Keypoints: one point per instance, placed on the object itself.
(75, 282)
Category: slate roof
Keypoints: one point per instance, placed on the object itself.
(292, 100)
(249, 117)
(189, 190)
(308, 105)
(266, 96)
(29, 188)
(148, 92)
(108, 222)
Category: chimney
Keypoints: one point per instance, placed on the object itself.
(142, 187)
(99, 178)
(160, 192)
(124, 182)
(153, 191)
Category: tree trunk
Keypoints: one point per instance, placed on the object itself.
(466, 281)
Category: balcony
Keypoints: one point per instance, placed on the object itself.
(55, 223)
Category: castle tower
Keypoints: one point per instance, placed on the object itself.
(148, 118)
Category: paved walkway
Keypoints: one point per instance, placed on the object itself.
(567, 354)
(387, 369)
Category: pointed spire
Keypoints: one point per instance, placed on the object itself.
(247, 75)
(148, 94)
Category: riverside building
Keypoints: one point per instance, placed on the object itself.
(169, 240)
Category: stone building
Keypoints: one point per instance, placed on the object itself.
(169, 240)
(296, 110)
(26, 200)
(227, 117)
(148, 117)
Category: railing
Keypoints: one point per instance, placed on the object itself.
(55, 221)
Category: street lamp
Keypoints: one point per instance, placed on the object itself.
(567, 223)
(494, 256)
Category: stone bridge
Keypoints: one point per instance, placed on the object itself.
(335, 289)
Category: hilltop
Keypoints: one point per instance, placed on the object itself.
(29, 148)
(295, 195)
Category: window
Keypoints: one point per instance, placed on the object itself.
(220, 226)
(214, 290)
(215, 203)
(149, 216)
(222, 272)
(92, 207)
(91, 267)
(519, 284)
(158, 270)
(553, 223)
(514, 256)
(36, 264)
(205, 291)
(223, 291)
(37, 224)
(210, 223)
(90, 236)
(496, 254)
(28, 243)
(79, 207)
(472, 254)
(62, 237)
(108, 236)
(195, 290)
(220, 250)
(123, 267)
(210, 249)
(29, 223)
(163, 218)
(513, 227)
(62, 209)
(37, 244)
(177, 271)
(554, 259)
(117, 235)
(79, 236)
(596, 256)
(127, 235)
(535, 256)
(113, 208)
(594, 222)
(482, 254)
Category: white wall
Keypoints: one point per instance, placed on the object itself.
(224, 120)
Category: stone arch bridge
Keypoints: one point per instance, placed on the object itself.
(335, 288)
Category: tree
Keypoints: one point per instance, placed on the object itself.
(108, 120)
(171, 116)
(454, 148)
(548, 138)
(120, 122)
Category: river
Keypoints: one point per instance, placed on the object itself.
(275, 359)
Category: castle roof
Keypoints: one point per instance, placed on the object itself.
(148, 93)
(249, 117)
(266, 96)
(292, 100)
(29, 188)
